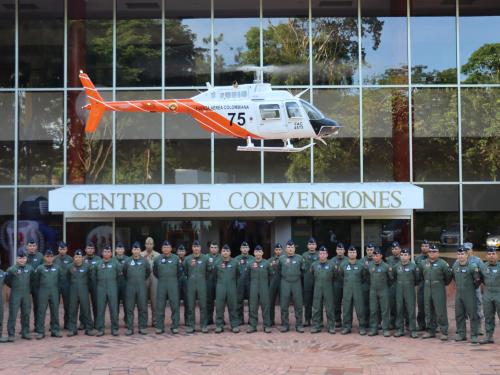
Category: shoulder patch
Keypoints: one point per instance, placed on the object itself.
(447, 264)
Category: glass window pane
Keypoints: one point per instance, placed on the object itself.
(138, 142)
(384, 42)
(90, 42)
(138, 44)
(41, 138)
(7, 138)
(89, 155)
(433, 42)
(339, 160)
(7, 43)
(386, 154)
(435, 134)
(7, 256)
(330, 232)
(382, 232)
(233, 166)
(78, 234)
(479, 41)
(41, 44)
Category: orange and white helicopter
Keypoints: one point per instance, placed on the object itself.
(248, 111)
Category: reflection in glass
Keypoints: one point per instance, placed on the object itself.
(138, 142)
(7, 138)
(7, 257)
(100, 233)
(7, 44)
(383, 232)
(41, 138)
(89, 155)
(386, 155)
(330, 232)
(232, 166)
(435, 134)
(41, 44)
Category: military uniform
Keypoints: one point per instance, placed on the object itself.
(367, 262)
(151, 286)
(338, 290)
(324, 275)
(259, 274)
(211, 289)
(419, 259)
(394, 263)
(243, 287)
(274, 290)
(34, 261)
(407, 277)
(78, 278)
(64, 286)
(47, 279)
(121, 293)
(92, 289)
(197, 270)
(18, 279)
(108, 276)
(136, 272)
(226, 275)
(353, 275)
(182, 282)
(308, 282)
(2, 279)
(490, 276)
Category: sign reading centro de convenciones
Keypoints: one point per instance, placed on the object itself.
(232, 197)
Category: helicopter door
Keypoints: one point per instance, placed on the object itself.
(272, 118)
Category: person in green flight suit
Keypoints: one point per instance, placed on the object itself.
(2, 279)
(78, 275)
(367, 260)
(324, 272)
(467, 279)
(167, 268)
(34, 259)
(381, 278)
(136, 271)
(259, 273)
(490, 276)
(419, 259)
(212, 257)
(226, 273)
(18, 279)
(64, 261)
(437, 275)
(407, 276)
(243, 287)
(181, 253)
(309, 257)
(108, 275)
(121, 294)
(354, 274)
(274, 285)
(92, 259)
(338, 284)
(47, 278)
(290, 269)
(393, 261)
(197, 268)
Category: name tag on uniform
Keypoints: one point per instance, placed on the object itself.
(200, 262)
(169, 261)
(379, 270)
(315, 258)
(139, 263)
(464, 271)
(495, 271)
(210, 260)
(110, 266)
(26, 271)
(327, 267)
(94, 262)
(35, 260)
(82, 270)
(163, 260)
(261, 266)
(229, 266)
(53, 269)
(407, 270)
(1, 276)
(294, 262)
(356, 268)
(132, 263)
(434, 265)
(65, 261)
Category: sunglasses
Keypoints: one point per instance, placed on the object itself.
(433, 251)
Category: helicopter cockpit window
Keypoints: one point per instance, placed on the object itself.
(311, 112)
(293, 110)
(270, 111)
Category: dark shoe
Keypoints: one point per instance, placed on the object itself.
(89, 333)
(115, 333)
(362, 331)
(387, 334)
(219, 330)
(81, 328)
(159, 331)
(175, 331)
(414, 335)
(26, 337)
(285, 329)
(154, 325)
(99, 334)
(204, 330)
(444, 337)
(315, 330)
(143, 332)
(71, 334)
(486, 340)
(392, 327)
(460, 338)
(420, 329)
(429, 336)
(338, 324)
(473, 340)
(235, 330)
(399, 334)
(10, 339)
(299, 329)
(267, 330)
(40, 336)
(379, 326)
(331, 331)
(272, 324)
(307, 323)
(373, 333)
(251, 330)
(129, 332)
(57, 334)
(345, 331)
(2, 339)
(438, 330)
(190, 330)
(66, 327)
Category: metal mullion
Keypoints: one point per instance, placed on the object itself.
(114, 92)
(16, 122)
(261, 58)
(459, 116)
(410, 102)
(65, 103)
(362, 236)
(436, 183)
(212, 158)
(360, 88)
(310, 83)
(212, 80)
(162, 95)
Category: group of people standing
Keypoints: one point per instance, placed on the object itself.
(383, 293)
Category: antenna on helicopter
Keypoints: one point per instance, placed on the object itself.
(258, 71)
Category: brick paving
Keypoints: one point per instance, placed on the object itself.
(258, 353)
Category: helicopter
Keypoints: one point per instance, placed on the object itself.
(249, 111)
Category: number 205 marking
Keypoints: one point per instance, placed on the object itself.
(241, 118)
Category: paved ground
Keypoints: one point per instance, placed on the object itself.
(228, 353)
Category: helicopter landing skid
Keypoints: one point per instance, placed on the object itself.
(288, 147)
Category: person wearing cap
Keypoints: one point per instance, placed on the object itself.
(338, 284)
(64, 261)
(490, 276)
(92, 259)
(381, 278)
(181, 253)
(212, 257)
(151, 282)
(274, 285)
(394, 260)
(136, 271)
(47, 277)
(309, 257)
(167, 268)
(243, 288)
(197, 268)
(367, 260)
(419, 259)
(407, 276)
(121, 293)
(259, 273)
(324, 273)
(290, 269)
(108, 274)
(33, 259)
(437, 275)
(78, 275)
(226, 273)
(467, 280)
(18, 279)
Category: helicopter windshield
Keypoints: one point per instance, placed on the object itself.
(312, 113)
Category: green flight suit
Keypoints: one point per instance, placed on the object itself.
(226, 275)
(2, 279)
(437, 275)
(122, 288)
(274, 291)
(291, 269)
(259, 274)
(108, 276)
(308, 284)
(420, 291)
(324, 275)
(167, 270)
(47, 279)
(197, 270)
(183, 295)
(18, 279)
(381, 278)
(407, 277)
(393, 262)
(353, 275)
(366, 288)
(136, 272)
(211, 288)
(64, 286)
(78, 277)
(338, 289)
(490, 276)
(92, 289)
(243, 287)
(467, 279)
(34, 261)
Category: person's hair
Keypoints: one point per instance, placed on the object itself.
(149, 240)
